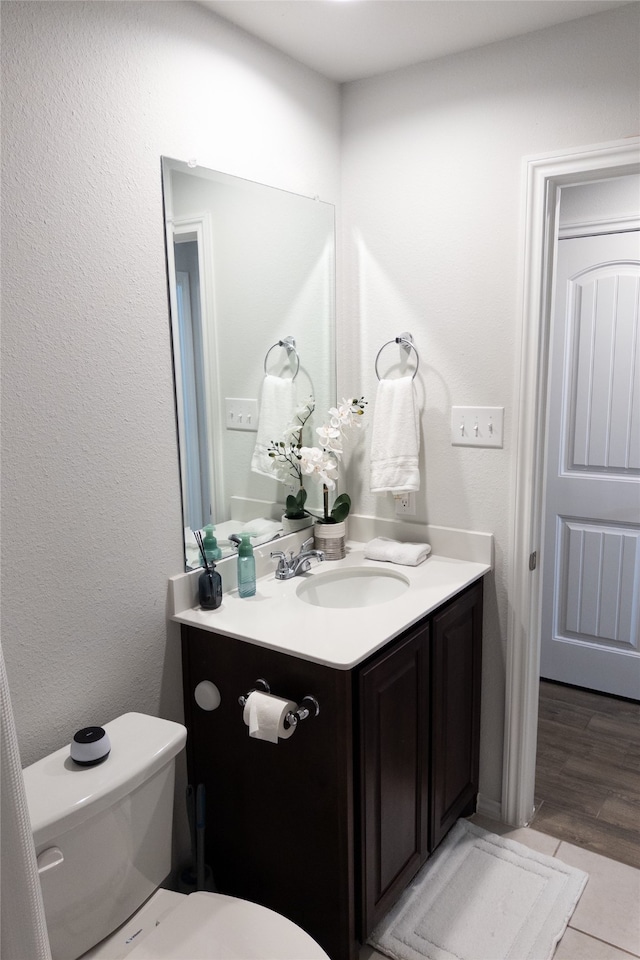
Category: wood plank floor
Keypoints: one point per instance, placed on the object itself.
(588, 771)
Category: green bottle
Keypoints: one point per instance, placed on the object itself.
(246, 567)
(211, 549)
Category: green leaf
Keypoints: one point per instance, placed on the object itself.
(295, 505)
(292, 510)
(341, 507)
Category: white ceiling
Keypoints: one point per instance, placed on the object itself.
(352, 39)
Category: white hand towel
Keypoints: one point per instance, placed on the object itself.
(408, 554)
(262, 530)
(277, 405)
(395, 439)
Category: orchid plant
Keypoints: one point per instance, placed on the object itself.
(293, 460)
(285, 455)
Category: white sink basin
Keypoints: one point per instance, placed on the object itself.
(356, 587)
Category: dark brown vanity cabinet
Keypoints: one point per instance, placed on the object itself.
(329, 826)
(419, 732)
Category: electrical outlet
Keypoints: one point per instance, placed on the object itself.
(477, 426)
(405, 504)
(241, 414)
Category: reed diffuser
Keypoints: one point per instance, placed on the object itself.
(210, 581)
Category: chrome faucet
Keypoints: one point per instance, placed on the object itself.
(291, 566)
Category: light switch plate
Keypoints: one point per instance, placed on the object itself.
(477, 426)
(241, 414)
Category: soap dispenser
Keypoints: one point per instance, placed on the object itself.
(211, 549)
(246, 567)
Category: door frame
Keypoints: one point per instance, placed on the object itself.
(544, 178)
(199, 228)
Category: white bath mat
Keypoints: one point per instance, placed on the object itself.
(482, 897)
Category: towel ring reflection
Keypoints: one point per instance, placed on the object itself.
(290, 346)
(406, 342)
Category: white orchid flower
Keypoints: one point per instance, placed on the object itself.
(345, 415)
(313, 460)
(305, 408)
(330, 437)
(291, 433)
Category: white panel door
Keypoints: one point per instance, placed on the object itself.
(591, 549)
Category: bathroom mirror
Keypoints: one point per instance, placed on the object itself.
(251, 277)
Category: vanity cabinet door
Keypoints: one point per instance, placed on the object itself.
(393, 718)
(456, 642)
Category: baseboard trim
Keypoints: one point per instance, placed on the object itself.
(489, 808)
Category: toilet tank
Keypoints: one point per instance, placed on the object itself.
(103, 833)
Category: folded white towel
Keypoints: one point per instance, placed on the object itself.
(190, 538)
(276, 413)
(395, 438)
(262, 530)
(408, 554)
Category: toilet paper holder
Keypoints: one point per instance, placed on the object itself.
(307, 707)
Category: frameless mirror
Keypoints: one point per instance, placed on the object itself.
(251, 276)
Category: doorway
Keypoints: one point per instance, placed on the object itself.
(191, 297)
(196, 496)
(545, 177)
(591, 530)
(587, 790)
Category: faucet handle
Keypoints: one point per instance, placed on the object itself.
(306, 545)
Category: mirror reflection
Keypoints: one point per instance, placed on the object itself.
(251, 272)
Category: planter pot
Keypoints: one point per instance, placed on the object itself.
(290, 526)
(331, 538)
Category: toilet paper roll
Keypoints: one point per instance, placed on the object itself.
(264, 715)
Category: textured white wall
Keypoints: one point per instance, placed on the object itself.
(432, 204)
(94, 94)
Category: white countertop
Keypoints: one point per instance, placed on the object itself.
(278, 619)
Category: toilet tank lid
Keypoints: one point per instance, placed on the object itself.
(61, 794)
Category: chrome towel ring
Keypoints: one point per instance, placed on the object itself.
(289, 344)
(405, 340)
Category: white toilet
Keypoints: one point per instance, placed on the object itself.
(103, 843)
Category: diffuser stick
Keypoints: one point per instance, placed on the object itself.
(200, 543)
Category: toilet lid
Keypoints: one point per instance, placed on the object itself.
(211, 926)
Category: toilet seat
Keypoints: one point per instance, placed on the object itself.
(208, 926)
